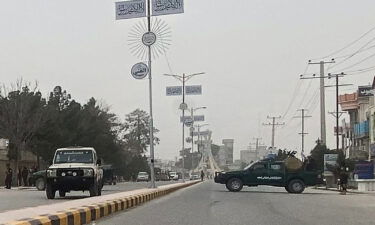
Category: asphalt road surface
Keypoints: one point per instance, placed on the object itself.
(211, 204)
(16, 199)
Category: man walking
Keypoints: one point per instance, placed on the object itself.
(8, 177)
(344, 180)
(202, 175)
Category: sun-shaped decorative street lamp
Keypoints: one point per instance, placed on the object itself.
(159, 38)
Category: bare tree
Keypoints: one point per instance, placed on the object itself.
(21, 115)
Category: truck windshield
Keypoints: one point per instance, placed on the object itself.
(251, 164)
(74, 156)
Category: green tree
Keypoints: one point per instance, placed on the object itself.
(136, 132)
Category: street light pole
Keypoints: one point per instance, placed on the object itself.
(184, 78)
(151, 122)
(192, 110)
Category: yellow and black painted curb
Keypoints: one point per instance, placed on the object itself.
(89, 213)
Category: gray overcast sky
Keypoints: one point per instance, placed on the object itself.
(252, 53)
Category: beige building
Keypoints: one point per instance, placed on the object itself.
(26, 159)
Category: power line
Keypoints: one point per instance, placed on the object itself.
(348, 45)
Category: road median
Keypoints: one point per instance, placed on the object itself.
(83, 211)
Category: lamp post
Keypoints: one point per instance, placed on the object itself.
(183, 78)
(192, 110)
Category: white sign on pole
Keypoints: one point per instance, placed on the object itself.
(139, 71)
(130, 9)
(165, 7)
(189, 122)
(196, 118)
(202, 133)
(149, 38)
(174, 90)
(193, 90)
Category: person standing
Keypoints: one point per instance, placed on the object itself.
(344, 180)
(8, 177)
(202, 175)
(19, 177)
(25, 174)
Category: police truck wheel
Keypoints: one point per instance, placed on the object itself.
(234, 184)
(296, 186)
(62, 194)
(40, 184)
(50, 192)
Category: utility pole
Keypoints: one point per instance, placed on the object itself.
(323, 135)
(303, 133)
(337, 113)
(273, 124)
(257, 146)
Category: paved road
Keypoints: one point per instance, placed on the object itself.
(16, 199)
(211, 204)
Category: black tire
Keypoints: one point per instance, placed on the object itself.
(296, 186)
(234, 184)
(50, 192)
(94, 190)
(40, 184)
(287, 189)
(62, 194)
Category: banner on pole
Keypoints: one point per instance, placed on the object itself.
(193, 90)
(166, 7)
(202, 133)
(130, 9)
(174, 90)
(196, 118)
(189, 90)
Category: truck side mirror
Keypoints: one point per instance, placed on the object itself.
(99, 162)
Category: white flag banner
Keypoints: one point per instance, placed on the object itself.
(202, 133)
(165, 7)
(174, 90)
(193, 90)
(197, 118)
(130, 9)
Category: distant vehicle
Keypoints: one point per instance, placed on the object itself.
(272, 173)
(194, 177)
(143, 176)
(173, 175)
(38, 179)
(108, 175)
(74, 169)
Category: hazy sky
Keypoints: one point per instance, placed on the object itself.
(252, 53)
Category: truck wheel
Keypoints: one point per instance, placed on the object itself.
(40, 184)
(50, 192)
(296, 186)
(234, 184)
(287, 189)
(93, 190)
(62, 194)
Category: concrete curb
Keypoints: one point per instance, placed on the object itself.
(89, 213)
(336, 190)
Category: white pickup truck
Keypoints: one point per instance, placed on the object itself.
(74, 169)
